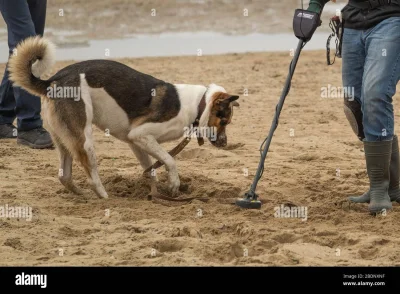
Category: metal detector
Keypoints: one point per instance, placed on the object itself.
(304, 25)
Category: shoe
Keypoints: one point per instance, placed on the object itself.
(8, 131)
(394, 184)
(37, 138)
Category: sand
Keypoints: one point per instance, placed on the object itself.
(315, 161)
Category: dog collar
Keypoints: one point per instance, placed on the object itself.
(200, 109)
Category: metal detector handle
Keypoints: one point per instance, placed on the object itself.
(275, 120)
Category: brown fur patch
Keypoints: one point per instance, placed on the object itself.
(159, 94)
(220, 116)
(140, 121)
(156, 111)
(83, 158)
(66, 121)
(220, 111)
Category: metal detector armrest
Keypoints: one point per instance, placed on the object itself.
(305, 23)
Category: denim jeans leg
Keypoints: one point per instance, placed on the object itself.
(381, 75)
(7, 101)
(353, 55)
(19, 16)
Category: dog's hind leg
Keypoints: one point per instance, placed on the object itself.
(65, 171)
(85, 151)
(87, 157)
(145, 162)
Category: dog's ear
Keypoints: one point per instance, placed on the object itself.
(228, 99)
(233, 98)
(225, 100)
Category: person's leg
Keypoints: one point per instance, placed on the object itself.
(7, 108)
(394, 191)
(26, 18)
(7, 98)
(20, 26)
(20, 22)
(38, 14)
(381, 75)
(353, 57)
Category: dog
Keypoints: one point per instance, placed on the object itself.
(133, 107)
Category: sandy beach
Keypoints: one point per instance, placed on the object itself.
(315, 162)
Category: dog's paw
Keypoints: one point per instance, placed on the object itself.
(102, 194)
(174, 183)
(76, 190)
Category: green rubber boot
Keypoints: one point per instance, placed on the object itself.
(377, 157)
(394, 188)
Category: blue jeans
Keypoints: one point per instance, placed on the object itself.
(371, 67)
(24, 18)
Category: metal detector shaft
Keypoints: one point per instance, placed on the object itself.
(276, 117)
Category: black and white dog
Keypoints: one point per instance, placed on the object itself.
(134, 107)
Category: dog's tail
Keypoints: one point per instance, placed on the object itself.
(32, 58)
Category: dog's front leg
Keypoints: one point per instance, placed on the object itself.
(150, 145)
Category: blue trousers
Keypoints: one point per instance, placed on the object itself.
(24, 18)
(371, 67)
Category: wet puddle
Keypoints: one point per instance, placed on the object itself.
(176, 44)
